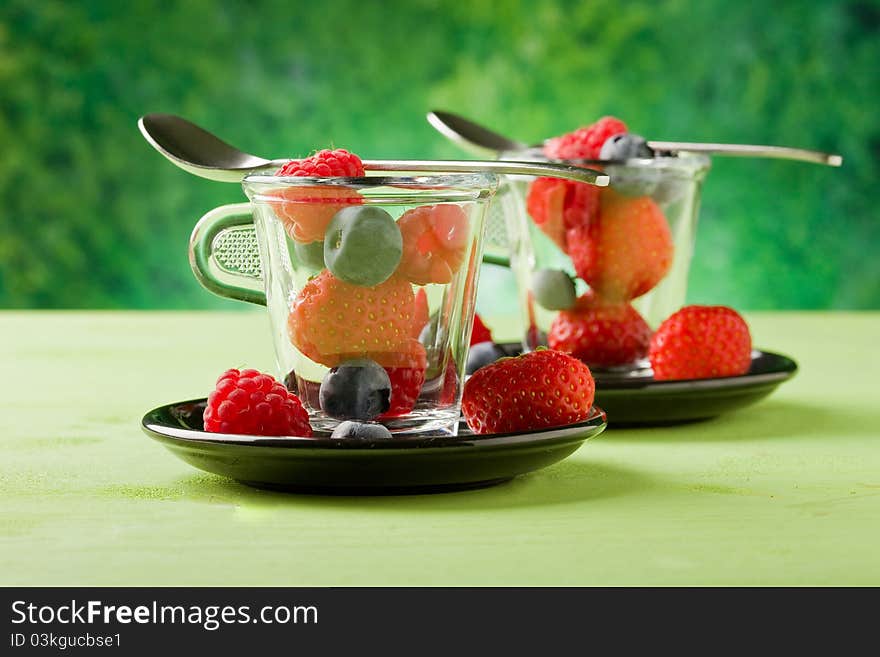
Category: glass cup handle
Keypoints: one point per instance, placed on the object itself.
(224, 254)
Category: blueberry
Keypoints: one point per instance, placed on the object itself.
(625, 146)
(361, 431)
(553, 289)
(310, 255)
(358, 389)
(362, 245)
(482, 354)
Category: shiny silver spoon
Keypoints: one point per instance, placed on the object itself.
(479, 139)
(201, 153)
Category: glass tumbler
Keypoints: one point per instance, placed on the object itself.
(637, 250)
(332, 301)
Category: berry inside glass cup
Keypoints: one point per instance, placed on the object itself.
(370, 286)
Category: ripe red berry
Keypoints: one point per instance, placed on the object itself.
(306, 210)
(600, 333)
(626, 250)
(556, 206)
(250, 403)
(700, 342)
(435, 238)
(331, 321)
(325, 163)
(543, 388)
(480, 332)
(584, 143)
(544, 203)
(450, 384)
(406, 370)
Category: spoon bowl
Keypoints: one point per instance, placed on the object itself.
(471, 136)
(198, 151)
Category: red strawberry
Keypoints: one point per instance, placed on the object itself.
(581, 203)
(435, 238)
(542, 388)
(406, 369)
(450, 384)
(557, 205)
(701, 342)
(599, 333)
(480, 332)
(421, 314)
(250, 403)
(544, 204)
(626, 250)
(441, 386)
(306, 211)
(584, 143)
(331, 320)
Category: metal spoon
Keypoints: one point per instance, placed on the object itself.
(201, 153)
(479, 139)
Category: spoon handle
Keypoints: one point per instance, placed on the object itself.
(750, 150)
(554, 170)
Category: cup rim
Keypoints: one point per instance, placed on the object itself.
(382, 188)
(683, 161)
(399, 179)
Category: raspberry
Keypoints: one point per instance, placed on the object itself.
(480, 332)
(701, 342)
(435, 238)
(254, 404)
(600, 333)
(406, 369)
(584, 143)
(306, 211)
(557, 206)
(325, 163)
(331, 321)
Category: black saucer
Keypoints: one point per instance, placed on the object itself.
(399, 465)
(635, 398)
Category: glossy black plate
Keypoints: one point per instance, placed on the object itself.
(630, 395)
(399, 465)
(638, 399)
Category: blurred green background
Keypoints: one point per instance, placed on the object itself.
(93, 218)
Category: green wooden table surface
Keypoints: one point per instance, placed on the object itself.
(786, 492)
